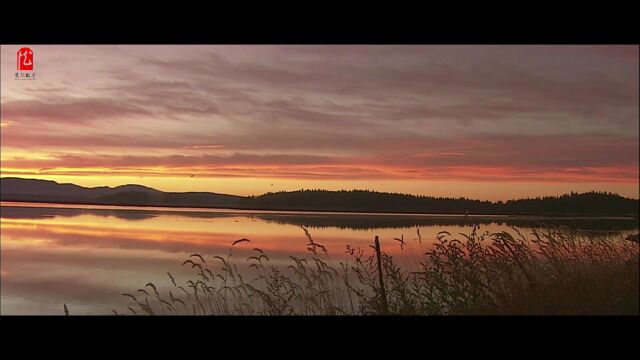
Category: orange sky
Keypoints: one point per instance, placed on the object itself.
(488, 122)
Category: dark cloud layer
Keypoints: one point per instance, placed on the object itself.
(368, 109)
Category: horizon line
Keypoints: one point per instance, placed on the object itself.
(303, 189)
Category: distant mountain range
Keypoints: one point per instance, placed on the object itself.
(18, 189)
(591, 203)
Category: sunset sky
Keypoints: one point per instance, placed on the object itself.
(488, 122)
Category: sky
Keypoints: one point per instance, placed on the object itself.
(486, 122)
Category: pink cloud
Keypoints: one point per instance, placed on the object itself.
(499, 113)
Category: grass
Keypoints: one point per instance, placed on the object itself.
(549, 272)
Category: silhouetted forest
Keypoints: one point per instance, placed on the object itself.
(362, 200)
(591, 203)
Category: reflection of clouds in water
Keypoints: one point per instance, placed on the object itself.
(319, 220)
(26, 258)
(88, 257)
(39, 281)
(17, 212)
(160, 240)
(69, 288)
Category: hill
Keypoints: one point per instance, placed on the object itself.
(590, 203)
(18, 189)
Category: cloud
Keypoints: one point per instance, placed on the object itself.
(516, 111)
(72, 111)
(497, 158)
(217, 146)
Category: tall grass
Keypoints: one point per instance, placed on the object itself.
(550, 272)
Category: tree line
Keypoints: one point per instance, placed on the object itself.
(364, 200)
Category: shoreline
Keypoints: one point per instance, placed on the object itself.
(127, 207)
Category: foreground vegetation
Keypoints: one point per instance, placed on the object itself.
(549, 272)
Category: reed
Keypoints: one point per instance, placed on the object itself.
(552, 271)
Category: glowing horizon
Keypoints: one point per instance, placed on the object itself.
(483, 122)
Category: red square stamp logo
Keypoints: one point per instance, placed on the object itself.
(25, 59)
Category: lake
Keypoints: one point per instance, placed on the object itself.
(86, 256)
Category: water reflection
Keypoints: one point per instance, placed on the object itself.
(16, 212)
(324, 220)
(88, 256)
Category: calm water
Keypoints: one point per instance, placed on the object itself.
(87, 256)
